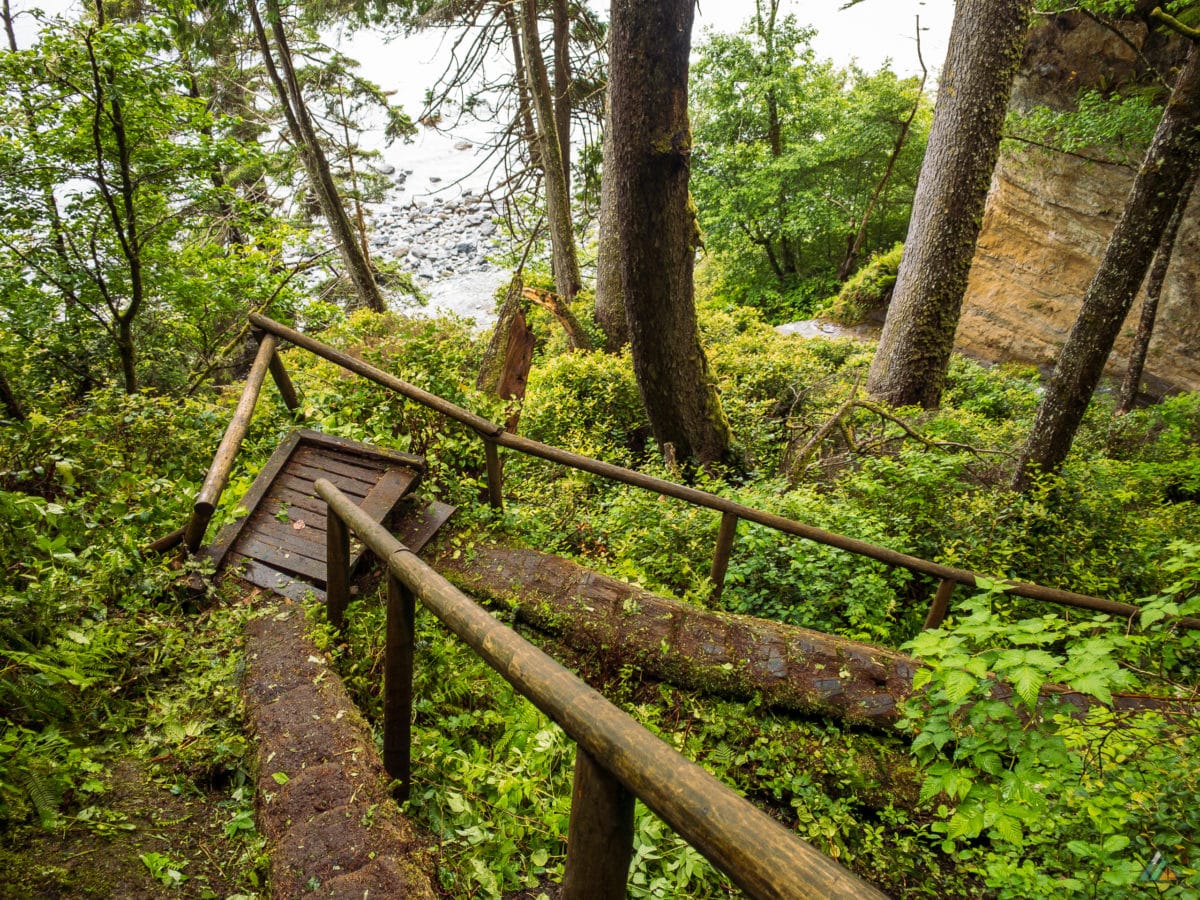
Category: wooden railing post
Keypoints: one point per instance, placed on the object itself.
(725, 536)
(600, 835)
(397, 685)
(337, 570)
(283, 381)
(222, 464)
(495, 475)
(940, 605)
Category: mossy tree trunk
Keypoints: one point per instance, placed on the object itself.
(986, 41)
(610, 299)
(1154, 285)
(652, 143)
(299, 122)
(1169, 164)
(564, 257)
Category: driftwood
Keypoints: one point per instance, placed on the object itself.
(790, 668)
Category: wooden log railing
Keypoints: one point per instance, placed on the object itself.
(616, 761)
(494, 436)
(266, 359)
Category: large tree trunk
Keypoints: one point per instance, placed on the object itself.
(610, 299)
(1154, 285)
(964, 141)
(1169, 163)
(320, 178)
(565, 259)
(789, 668)
(650, 43)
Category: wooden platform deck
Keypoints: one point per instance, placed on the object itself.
(280, 544)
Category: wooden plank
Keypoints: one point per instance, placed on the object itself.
(419, 520)
(271, 529)
(360, 470)
(282, 498)
(285, 559)
(361, 485)
(304, 486)
(283, 543)
(356, 448)
(269, 579)
(262, 484)
(379, 504)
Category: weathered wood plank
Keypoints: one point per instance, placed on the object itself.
(309, 467)
(262, 484)
(353, 484)
(285, 499)
(360, 470)
(270, 528)
(356, 448)
(263, 576)
(303, 485)
(418, 521)
(284, 559)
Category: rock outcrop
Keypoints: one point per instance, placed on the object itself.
(1049, 217)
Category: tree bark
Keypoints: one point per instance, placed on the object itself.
(565, 259)
(986, 40)
(8, 400)
(562, 86)
(610, 299)
(650, 44)
(1169, 164)
(291, 99)
(789, 668)
(521, 78)
(1154, 285)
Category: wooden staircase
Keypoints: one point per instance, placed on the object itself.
(280, 545)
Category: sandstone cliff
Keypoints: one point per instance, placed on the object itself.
(1048, 219)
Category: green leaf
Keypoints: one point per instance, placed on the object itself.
(959, 684)
(280, 777)
(1115, 843)
(1027, 681)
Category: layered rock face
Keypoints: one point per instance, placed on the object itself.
(1049, 217)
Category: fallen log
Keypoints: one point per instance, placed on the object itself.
(790, 668)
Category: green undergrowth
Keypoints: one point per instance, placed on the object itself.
(104, 653)
(119, 698)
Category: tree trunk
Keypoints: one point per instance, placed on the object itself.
(287, 88)
(789, 668)
(1169, 164)
(1154, 286)
(524, 103)
(565, 260)
(8, 400)
(610, 299)
(120, 201)
(984, 53)
(650, 44)
(562, 87)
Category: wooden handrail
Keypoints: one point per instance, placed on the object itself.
(495, 435)
(235, 432)
(755, 851)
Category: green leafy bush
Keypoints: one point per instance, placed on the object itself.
(867, 292)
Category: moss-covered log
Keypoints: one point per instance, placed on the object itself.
(790, 668)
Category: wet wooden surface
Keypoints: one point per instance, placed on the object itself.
(280, 545)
